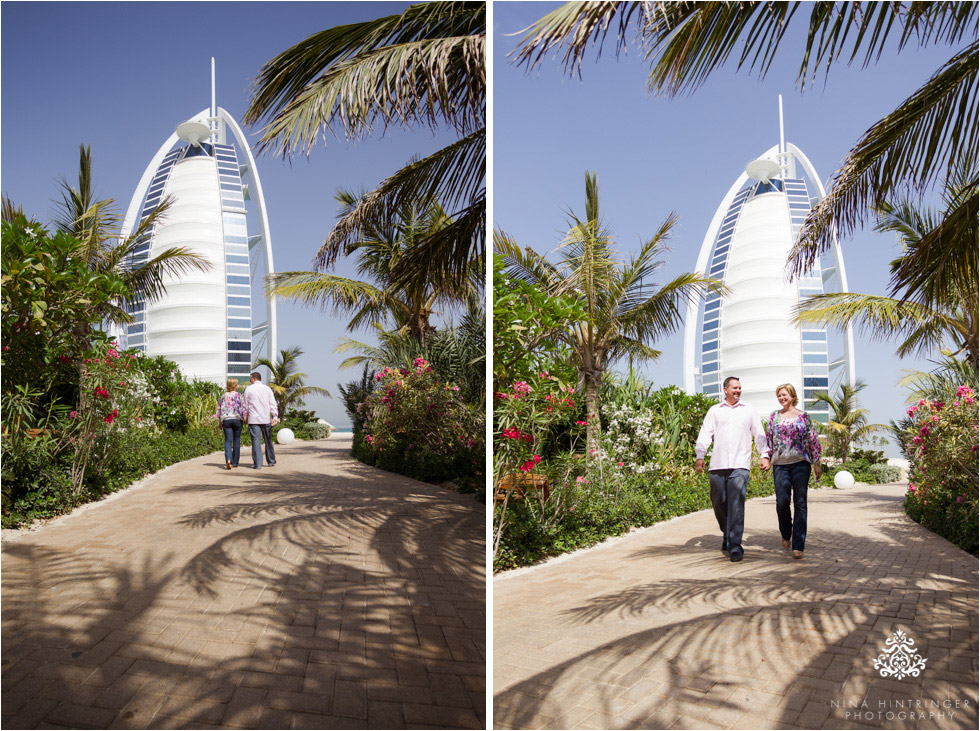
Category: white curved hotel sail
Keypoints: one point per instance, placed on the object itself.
(748, 333)
(208, 322)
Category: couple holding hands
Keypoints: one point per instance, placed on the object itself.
(256, 407)
(790, 446)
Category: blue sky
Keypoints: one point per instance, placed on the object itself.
(121, 76)
(655, 155)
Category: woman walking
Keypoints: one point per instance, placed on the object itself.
(795, 449)
(231, 414)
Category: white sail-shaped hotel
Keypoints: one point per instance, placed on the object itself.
(208, 322)
(749, 333)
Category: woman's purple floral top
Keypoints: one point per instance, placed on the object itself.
(230, 406)
(792, 440)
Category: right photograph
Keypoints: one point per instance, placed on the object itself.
(735, 365)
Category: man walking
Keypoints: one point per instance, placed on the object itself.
(732, 424)
(263, 414)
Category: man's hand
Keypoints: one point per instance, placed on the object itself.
(764, 464)
(699, 466)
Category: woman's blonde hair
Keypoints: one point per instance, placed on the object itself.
(232, 384)
(789, 389)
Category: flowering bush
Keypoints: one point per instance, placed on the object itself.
(104, 375)
(536, 437)
(417, 425)
(941, 442)
(528, 419)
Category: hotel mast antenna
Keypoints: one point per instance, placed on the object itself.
(210, 322)
(749, 332)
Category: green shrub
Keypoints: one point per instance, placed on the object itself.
(884, 473)
(316, 430)
(418, 426)
(584, 510)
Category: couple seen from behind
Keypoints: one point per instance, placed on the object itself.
(789, 445)
(256, 407)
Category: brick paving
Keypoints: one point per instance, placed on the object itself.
(660, 630)
(320, 593)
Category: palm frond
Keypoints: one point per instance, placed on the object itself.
(326, 291)
(576, 26)
(453, 174)
(923, 139)
(423, 66)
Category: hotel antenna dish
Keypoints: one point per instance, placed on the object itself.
(193, 132)
(762, 169)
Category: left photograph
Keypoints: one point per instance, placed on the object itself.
(244, 365)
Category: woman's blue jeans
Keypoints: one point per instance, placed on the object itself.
(791, 480)
(233, 440)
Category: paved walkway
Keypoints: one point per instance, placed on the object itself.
(661, 630)
(320, 593)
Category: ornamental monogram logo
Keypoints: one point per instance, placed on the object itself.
(900, 660)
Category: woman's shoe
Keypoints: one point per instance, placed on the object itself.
(227, 464)
(786, 543)
(797, 554)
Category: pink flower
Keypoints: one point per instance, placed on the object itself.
(581, 480)
(521, 387)
(923, 402)
(912, 410)
(917, 439)
(935, 419)
(537, 459)
(582, 423)
(620, 464)
(73, 414)
(959, 499)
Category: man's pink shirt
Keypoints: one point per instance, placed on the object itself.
(261, 404)
(732, 428)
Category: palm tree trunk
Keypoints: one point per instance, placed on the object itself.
(592, 432)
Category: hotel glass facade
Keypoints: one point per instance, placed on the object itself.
(748, 332)
(206, 320)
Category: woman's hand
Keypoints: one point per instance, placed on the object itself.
(817, 471)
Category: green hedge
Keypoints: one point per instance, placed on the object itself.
(640, 502)
(133, 455)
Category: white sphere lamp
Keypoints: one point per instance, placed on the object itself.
(843, 479)
(285, 436)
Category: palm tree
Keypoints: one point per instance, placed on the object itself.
(286, 382)
(381, 245)
(95, 224)
(848, 424)
(425, 66)
(457, 353)
(941, 382)
(625, 311)
(914, 311)
(913, 147)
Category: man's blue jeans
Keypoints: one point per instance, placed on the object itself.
(260, 433)
(728, 499)
(233, 440)
(792, 478)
